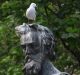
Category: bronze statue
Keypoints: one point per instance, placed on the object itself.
(37, 42)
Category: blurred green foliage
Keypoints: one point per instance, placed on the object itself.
(61, 16)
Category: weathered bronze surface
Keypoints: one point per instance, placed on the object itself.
(37, 42)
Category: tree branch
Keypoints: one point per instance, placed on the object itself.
(45, 8)
(76, 53)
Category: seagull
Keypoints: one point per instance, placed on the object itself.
(31, 12)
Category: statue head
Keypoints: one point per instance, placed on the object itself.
(36, 38)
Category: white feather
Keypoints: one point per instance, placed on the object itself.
(31, 12)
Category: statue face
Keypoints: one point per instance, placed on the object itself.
(28, 37)
(32, 42)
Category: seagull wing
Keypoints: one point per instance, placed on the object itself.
(31, 13)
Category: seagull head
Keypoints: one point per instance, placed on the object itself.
(33, 5)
